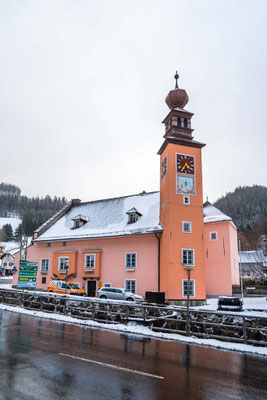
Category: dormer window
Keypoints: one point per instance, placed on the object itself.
(133, 215)
(79, 221)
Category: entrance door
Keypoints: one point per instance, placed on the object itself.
(91, 288)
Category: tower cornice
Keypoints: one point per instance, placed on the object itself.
(180, 141)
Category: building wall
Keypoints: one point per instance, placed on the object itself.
(221, 269)
(111, 261)
(234, 254)
(174, 239)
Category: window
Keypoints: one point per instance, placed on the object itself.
(64, 244)
(187, 227)
(77, 223)
(185, 123)
(213, 235)
(130, 260)
(179, 121)
(62, 263)
(188, 257)
(89, 261)
(192, 288)
(44, 280)
(130, 285)
(106, 284)
(132, 218)
(45, 264)
(48, 244)
(186, 200)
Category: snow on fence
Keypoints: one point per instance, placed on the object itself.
(206, 324)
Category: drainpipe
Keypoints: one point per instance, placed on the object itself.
(158, 261)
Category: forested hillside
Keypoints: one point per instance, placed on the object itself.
(33, 211)
(248, 207)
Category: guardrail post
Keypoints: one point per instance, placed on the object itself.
(93, 311)
(245, 338)
(65, 306)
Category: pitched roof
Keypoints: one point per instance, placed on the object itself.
(107, 218)
(213, 214)
(252, 257)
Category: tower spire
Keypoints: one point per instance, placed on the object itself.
(176, 77)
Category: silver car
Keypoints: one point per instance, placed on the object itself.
(118, 294)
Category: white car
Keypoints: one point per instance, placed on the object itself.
(118, 294)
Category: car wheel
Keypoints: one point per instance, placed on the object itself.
(103, 296)
(129, 299)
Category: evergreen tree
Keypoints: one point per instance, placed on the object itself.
(7, 233)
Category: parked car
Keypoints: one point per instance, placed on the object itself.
(118, 294)
(57, 286)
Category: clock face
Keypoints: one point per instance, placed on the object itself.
(163, 170)
(185, 164)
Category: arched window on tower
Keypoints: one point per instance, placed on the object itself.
(185, 123)
(179, 121)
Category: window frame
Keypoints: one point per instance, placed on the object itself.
(85, 257)
(130, 280)
(59, 261)
(190, 226)
(47, 269)
(188, 200)
(131, 253)
(183, 287)
(193, 257)
(212, 233)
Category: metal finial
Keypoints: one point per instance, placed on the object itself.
(176, 77)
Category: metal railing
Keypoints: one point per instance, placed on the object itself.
(225, 326)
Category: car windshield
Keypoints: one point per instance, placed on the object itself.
(74, 285)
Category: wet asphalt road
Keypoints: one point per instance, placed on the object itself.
(42, 359)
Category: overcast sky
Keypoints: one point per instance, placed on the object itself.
(83, 86)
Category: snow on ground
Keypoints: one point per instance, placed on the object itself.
(257, 304)
(140, 330)
(14, 222)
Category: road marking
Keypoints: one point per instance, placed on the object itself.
(113, 366)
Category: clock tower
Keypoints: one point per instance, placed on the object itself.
(181, 204)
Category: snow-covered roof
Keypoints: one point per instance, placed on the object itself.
(107, 218)
(252, 257)
(213, 214)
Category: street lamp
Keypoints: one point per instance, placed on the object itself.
(188, 269)
(66, 265)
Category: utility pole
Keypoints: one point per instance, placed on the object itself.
(188, 301)
(240, 270)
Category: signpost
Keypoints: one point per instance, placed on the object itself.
(27, 274)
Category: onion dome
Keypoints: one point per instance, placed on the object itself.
(177, 97)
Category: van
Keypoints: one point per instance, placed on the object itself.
(57, 286)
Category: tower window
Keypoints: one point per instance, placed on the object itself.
(179, 121)
(185, 123)
(187, 227)
(188, 257)
(186, 200)
(191, 288)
